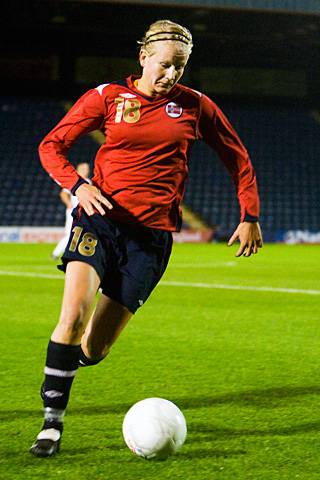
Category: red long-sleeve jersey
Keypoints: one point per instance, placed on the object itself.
(143, 164)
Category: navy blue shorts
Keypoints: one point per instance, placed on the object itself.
(130, 260)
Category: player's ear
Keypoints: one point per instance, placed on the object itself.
(142, 57)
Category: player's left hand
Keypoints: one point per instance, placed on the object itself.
(250, 238)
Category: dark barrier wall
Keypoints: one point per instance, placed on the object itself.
(312, 6)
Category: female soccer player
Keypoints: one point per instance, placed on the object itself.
(121, 236)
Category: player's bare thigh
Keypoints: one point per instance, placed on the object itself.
(81, 284)
(104, 327)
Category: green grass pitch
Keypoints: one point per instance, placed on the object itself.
(241, 363)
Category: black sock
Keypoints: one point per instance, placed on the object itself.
(84, 361)
(61, 367)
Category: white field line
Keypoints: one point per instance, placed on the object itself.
(203, 265)
(173, 283)
(239, 287)
(32, 274)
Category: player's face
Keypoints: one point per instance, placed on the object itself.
(163, 68)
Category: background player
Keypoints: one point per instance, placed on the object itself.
(121, 236)
(70, 201)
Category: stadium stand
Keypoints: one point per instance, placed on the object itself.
(28, 195)
(282, 142)
(290, 5)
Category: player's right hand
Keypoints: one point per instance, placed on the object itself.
(250, 238)
(91, 199)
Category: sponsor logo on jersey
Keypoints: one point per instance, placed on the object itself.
(173, 110)
(127, 95)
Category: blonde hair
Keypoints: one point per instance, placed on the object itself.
(166, 30)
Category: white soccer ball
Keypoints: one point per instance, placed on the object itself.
(154, 428)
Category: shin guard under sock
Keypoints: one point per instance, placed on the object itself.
(61, 367)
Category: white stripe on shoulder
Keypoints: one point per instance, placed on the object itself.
(196, 91)
(101, 87)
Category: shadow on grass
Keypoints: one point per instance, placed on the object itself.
(26, 455)
(210, 452)
(195, 453)
(78, 456)
(198, 432)
(208, 432)
(265, 398)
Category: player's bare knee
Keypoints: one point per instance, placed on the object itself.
(72, 330)
(73, 323)
(75, 313)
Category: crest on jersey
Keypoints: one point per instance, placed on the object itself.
(173, 110)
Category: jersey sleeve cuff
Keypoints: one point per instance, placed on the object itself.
(77, 185)
(250, 218)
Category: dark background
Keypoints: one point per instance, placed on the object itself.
(62, 48)
(262, 67)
